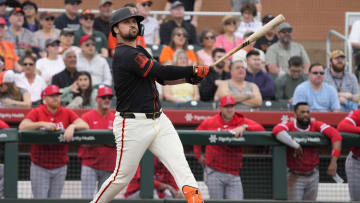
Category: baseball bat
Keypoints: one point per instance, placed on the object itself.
(261, 32)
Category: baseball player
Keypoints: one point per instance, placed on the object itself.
(303, 174)
(222, 164)
(2, 126)
(97, 161)
(48, 162)
(139, 122)
(351, 124)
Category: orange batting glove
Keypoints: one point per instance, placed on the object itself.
(201, 71)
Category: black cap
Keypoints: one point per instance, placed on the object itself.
(46, 14)
(16, 10)
(267, 18)
(176, 4)
(51, 41)
(66, 31)
(30, 3)
(73, 1)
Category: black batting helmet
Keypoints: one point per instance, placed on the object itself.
(122, 14)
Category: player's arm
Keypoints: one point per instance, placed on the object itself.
(348, 125)
(28, 124)
(78, 124)
(281, 133)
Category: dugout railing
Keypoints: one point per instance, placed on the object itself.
(12, 138)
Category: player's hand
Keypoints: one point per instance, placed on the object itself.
(239, 131)
(201, 71)
(8, 101)
(332, 168)
(48, 126)
(298, 152)
(69, 133)
(202, 161)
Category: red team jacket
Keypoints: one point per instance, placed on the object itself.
(351, 124)
(100, 158)
(310, 159)
(51, 156)
(3, 125)
(217, 156)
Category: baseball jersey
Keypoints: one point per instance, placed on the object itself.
(310, 158)
(224, 158)
(101, 158)
(351, 124)
(56, 155)
(3, 125)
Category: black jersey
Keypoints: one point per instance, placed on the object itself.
(134, 75)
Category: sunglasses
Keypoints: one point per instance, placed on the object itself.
(109, 97)
(88, 18)
(286, 31)
(28, 64)
(318, 73)
(230, 22)
(50, 19)
(89, 44)
(28, 7)
(180, 35)
(210, 37)
(148, 4)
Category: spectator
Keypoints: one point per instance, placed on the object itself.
(209, 85)
(228, 40)
(53, 63)
(318, 94)
(151, 25)
(10, 94)
(194, 5)
(303, 173)
(69, 19)
(184, 92)
(179, 40)
(285, 85)
(207, 39)
(29, 80)
(264, 42)
(49, 162)
(66, 41)
(30, 10)
(68, 76)
(164, 184)
(47, 31)
(177, 15)
(278, 54)
(21, 37)
(238, 4)
(3, 7)
(3, 125)
(246, 94)
(97, 161)
(86, 28)
(93, 63)
(260, 78)
(102, 22)
(81, 93)
(343, 81)
(222, 164)
(350, 124)
(7, 50)
(248, 22)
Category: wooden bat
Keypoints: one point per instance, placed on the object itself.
(261, 32)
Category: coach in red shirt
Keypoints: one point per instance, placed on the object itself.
(303, 175)
(49, 162)
(97, 161)
(221, 163)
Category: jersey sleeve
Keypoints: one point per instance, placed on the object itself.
(280, 127)
(350, 123)
(85, 117)
(72, 116)
(327, 130)
(33, 115)
(3, 125)
(253, 125)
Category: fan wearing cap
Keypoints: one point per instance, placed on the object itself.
(345, 82)
(66, 41)
(97, 162)
(269, 38)
(7, 50)
(102, 22)
(49, 162)
(193, 5)
(151, 25)
(47, 31)
(278, 54)
(69, 19)
(89, 60)
(222, 163)
(30, 12)
(10, 94)
(86, 28)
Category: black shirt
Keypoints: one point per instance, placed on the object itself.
(263, 43)
(102, 26)
(62, 21)
(207, 87)
(167, 28)
(135, 73)
(64, 78)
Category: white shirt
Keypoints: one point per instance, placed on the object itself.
(97, 67)
(247, 27)
(34, 89)
(151, 29)
(241, 54)
(355, 32)
(49, 68)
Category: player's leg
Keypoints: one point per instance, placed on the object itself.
(234, 189)
(88, 182)
(168, 148)
(352, 168)
(102, 177)
(311, 190)
(57, 182)
(40, 181)
(214, 180)
(295, 187)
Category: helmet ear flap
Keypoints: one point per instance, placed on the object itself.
(141, 29)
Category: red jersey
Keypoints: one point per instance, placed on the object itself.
(162, 175)
(101, 158)
(51, 156)
(351, 124)
(3, 125)
(310, 159)
(223, 158)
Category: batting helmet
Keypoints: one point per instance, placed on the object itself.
(125, 13)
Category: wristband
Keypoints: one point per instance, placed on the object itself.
(335, 152)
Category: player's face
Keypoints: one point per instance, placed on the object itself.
(338, 64)
(104, 102)
(227, 112)
(128, 29)
(53, 101)
(316, 75)
(83, 82)
(303, 115)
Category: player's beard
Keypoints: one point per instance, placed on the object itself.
(303, 122)
(131, 36)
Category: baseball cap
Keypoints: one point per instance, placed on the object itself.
(16, 10)
(46, 14)
(86, 38)
(267, 18)
(176, 4)
(336, 53)
(143, 1)
(50, 90)
(30, 3)
(284, 26)
(85, 13)
(104, 91)
(7, 77)
(227, 100)
(102, 2)
(51, 41)
(72, 1)
(2, 21)
(66, 31)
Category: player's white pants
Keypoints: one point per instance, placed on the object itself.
(303, 187)
(133, 137)
(352, 168)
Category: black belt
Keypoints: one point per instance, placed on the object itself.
(148, 115)
(303, 173)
